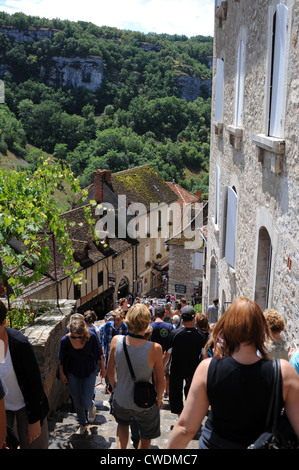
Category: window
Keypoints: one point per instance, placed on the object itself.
(146, 253)
(231, 221)
(219, 92)
(217, 195)
(198, 260)
(100, 278)
(77, 291)
(239, 95)
(277, 79)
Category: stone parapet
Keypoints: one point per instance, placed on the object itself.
(45, 335)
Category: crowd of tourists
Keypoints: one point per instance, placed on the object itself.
(209, 365)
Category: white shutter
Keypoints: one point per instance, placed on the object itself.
(146, 253)
(231, 221)
(219, 90)
(217, 195)
(198, 260)
(278, 61)
(240, 84)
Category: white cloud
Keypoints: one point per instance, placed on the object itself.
(189, 17)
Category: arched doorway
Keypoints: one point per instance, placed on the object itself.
(263, 268)
(123, 288)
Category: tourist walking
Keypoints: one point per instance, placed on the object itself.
(277, 346)
(80, 358)
(212, 313)
(184, 345)
(236, 387)
(146, 359)
(116, 326)
(25, 400)
(3, 428)
(161, 328)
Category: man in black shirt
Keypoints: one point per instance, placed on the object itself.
(184, 344)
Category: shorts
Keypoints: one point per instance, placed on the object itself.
(148, 419)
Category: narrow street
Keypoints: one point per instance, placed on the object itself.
(102, 433)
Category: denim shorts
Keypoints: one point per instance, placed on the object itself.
(148, 419)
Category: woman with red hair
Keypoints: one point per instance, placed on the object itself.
(236, 387)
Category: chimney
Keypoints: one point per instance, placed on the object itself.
(99, 176)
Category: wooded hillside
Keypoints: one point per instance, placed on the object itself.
(137, 115)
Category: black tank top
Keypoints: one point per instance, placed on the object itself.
(239, 396)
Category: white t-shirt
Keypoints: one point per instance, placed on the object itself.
(13, 399)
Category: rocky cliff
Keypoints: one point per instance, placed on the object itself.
(75, 72)
(88, 72)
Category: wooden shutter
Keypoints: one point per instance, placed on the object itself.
(219, 90)
(278, 67)
(240, 84)
(231, 221)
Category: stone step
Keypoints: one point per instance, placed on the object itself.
(101, 434)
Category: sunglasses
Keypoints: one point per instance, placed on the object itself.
(77, 337)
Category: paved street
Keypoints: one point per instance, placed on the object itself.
(102, 433)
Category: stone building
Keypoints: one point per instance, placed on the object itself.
(137, 197)
(254, 168)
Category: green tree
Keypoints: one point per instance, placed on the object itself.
(29, 223)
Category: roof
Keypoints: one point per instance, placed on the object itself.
(86, 251)
(185, 196)
(140, 184)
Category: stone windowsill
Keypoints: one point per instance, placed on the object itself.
(274, 145)
(218, 128)
(236, 136)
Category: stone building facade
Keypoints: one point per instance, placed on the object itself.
(254, 165)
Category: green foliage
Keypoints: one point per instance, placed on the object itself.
(29, 222)
(137, 116)
(20, 316)
(12, 134)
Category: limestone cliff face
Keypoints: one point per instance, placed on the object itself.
(29, 35)
(193, 87)
(76, 72)
(88, 72)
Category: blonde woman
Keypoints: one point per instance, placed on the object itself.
(277, 346)
(80, 358)
(146, 359)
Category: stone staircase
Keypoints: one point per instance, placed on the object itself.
(101, 434)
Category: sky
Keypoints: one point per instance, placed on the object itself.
(188, 17)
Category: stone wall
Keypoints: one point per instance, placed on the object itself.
(45, 335)
(268, 196)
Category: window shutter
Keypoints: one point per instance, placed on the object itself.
(278, 62)
(240, 84)
(217, 195)
(231, 221)
(198, 260)
(146, 253)
(219, 90)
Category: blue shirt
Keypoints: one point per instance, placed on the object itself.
(160, 332)
(109, 331)
(80, 362)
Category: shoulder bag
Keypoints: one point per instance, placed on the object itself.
(281, 435)
(144, 392)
